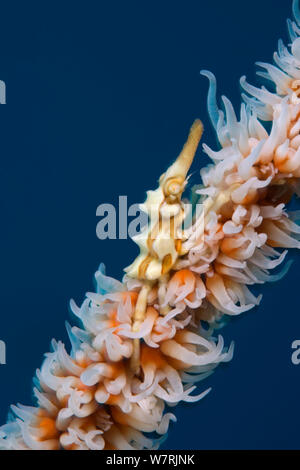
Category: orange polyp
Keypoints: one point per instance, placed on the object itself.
(180, 337)
(71, 447)
(64, 401)
(152, 356)
(133, 296)
(191, 296)
(116, 369)
(81, 386)
(48, 429)
(218, 267)
(84, 363)
(152, 312)
(113, 322)
(113, 399)
(118, 416)
(229, 246)
(109, 446)
(183, 275)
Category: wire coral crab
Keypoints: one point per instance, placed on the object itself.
(141, 344)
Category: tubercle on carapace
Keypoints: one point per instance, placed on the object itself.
(145, 343)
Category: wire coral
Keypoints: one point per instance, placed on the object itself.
(142, 344)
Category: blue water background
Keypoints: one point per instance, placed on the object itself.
(100, 97)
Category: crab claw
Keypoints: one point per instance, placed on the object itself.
(173, 180)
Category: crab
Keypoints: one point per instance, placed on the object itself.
(160, 242)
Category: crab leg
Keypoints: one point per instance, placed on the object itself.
(138, 318)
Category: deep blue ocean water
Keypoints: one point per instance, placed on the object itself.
(100, 97)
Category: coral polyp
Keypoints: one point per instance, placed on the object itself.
(145, 343)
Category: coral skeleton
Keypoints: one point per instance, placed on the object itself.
(144, 344)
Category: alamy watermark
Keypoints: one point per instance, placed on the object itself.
(123, 222)
(2, 353)
(296, 354)
(2, 92)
